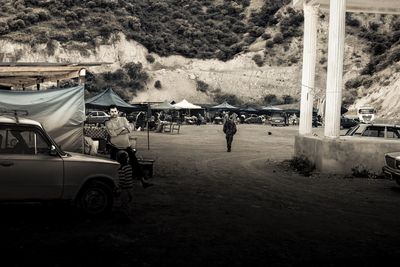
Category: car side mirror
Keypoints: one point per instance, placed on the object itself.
(53, 151)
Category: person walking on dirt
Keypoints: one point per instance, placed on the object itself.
(229, 130)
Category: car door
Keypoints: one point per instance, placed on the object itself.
(28, 171)
(392, 133)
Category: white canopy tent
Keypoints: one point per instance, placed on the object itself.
(184, 104)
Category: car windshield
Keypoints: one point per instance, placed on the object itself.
(278, 116)
(366, 111)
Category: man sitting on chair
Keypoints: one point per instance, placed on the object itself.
(119, 129)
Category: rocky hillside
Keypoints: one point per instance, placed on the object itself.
(203, 50)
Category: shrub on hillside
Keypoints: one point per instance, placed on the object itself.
(266, 36)
(82, 36)
(352, 22)
(157, 84)
(256, 31)
(40, 38)
(269, 43)
(106, 31)
(4, 29)
(138, 76)
(117, 76)
(70, 16)
(293, 59)
(378, 49)
(150, 58)
(373, 25)
(16, 24)
(51, 47)
(264, 17)
(258, 60)
(271, 99)
(354, 82)
(367, 82)
(394, 55)
(287, 99)
(278, 38)
(202, 86)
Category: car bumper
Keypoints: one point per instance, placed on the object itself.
(391, 173)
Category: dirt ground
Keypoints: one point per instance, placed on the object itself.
(213, 208)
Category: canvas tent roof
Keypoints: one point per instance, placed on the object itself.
(164, 106)
(107, 98)
(250, 109)
(60, 111)
(271, 108)
(225, 106)
(184, 104)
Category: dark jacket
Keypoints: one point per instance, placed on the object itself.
(229, 127)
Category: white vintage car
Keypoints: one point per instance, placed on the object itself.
(34, 168)
(392, 167)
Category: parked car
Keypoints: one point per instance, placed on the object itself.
(97, 117)
(254, 118)
(346, 123)
(277, 119)
(34, 168)
(392, 166)
(375, 130)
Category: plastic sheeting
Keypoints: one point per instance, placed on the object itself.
(60, 111)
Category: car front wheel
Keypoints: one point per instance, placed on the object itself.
(95, 199)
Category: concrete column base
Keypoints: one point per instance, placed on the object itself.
(340, 155)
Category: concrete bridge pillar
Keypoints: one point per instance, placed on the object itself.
(308, 74)
(337, 15)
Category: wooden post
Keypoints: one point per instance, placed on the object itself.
(148, 130)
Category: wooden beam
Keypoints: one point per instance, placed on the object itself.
(29, 81)
(35, 74)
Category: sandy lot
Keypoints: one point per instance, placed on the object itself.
(214, 208)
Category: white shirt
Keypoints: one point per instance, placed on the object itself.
(114, 128)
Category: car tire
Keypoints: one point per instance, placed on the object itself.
(95, 199)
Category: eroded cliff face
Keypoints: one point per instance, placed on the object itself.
(178, 75)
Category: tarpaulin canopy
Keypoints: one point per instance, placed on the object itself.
(164, 106)
(184, 104)
(108, 98)
(224, 106)
(249, 109)
(60, 111)
(271, 108)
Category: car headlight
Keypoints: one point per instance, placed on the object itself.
(397, 164)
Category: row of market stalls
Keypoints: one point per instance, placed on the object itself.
(185, 105)
(109, 97)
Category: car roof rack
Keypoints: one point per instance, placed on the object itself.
(15, 112)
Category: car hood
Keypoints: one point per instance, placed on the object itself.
(89, 159)
(395, 155)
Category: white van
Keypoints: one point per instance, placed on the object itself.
(366, 114)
